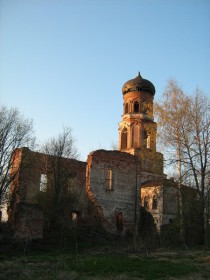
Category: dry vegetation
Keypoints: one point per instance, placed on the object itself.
(91, 253)
(103, 259)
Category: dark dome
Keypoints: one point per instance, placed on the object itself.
(138, 84)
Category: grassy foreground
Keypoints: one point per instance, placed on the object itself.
(166, 265)
(91, 253)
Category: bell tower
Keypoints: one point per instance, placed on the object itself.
(137, 129)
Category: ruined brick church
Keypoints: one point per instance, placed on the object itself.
(115, 183)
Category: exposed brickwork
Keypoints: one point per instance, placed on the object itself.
(119, 201)
(28, 221)
(26, 186)
(117, 207)
(124, 197)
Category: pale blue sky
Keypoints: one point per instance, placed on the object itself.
(64, 62)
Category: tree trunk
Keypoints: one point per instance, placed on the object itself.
(180, 203)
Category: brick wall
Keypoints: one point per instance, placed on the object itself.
(115, 204)
(29, 166)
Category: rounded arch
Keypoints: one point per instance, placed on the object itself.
(136, 106)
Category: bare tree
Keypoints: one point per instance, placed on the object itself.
(196, 152)
(172, 113)
(57, 151)
(184, 128)
(15, 131)
(61, 146)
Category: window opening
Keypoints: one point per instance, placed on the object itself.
(154, 202)
(43, 183)
(74, 216)
(126, 108)
(148, 142)
(109, 180)
(136, 107)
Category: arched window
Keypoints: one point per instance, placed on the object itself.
(148, 142)
(43, 183)
(124, 135)
(109, 179)
(146, 202)
(154, 202)
(126, 108)
(136, 107)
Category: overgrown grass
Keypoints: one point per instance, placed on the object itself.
(147, 268)
(90, 253)
(110, 266)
